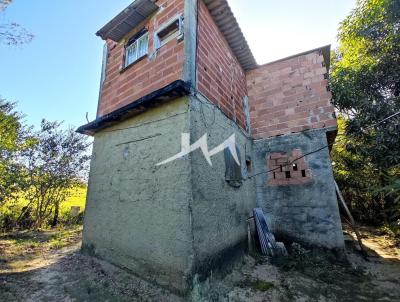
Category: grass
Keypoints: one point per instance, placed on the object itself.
(24, 250)
(261, 285)
(63, 238)
(77, 198)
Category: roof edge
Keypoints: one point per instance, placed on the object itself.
(175, 89)
(226, 22)
(326, 52)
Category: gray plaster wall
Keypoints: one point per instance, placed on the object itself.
(219, 211)
(307, 213)
(137, 214)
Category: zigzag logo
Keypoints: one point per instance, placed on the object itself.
(202, 144)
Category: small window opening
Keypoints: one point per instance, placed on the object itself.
(287, 174)
(249, 166)
(274, 175)
(169, 32)
(303, 173)
(295, 168)
(281, 168)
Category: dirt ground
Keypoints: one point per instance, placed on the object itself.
(48, 266)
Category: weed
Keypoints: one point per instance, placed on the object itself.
(261, 285)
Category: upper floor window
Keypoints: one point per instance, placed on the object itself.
(171, 30)
(136, 48)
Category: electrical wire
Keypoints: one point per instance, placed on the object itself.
(322, 148)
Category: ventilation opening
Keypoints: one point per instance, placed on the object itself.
(169, 32)
(287, 174)
(249, 166)
(303, 173)
(295, 168)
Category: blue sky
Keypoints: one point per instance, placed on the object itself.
(56, 76)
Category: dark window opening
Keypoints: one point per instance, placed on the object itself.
(281, 168)
(249, 166)
(295, 168)
(303, 173)
(287, 174)
(274, 175)
(169, 32)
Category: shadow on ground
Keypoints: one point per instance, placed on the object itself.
(53, 272)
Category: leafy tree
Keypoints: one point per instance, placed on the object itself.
(12, 33)
(55, 164)
(361, 182)
(365, 81)
(14, 137)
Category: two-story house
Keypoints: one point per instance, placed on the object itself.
(179, 75)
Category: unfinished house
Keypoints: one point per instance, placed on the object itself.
(179, 75)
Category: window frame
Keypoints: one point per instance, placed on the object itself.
(134, 42)
(178, 35)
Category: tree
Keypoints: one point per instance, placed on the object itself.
(365, 81)
(12, 33)
(55, 164)
(14, 138)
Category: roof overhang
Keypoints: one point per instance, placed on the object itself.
(128, 19)
(176, 89)
(229, 27)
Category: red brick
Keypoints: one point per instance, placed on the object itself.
(295, 103)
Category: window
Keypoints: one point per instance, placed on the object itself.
(136, 48)
(169, 31)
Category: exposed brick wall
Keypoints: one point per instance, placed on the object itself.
(286, 173)
(290, 96)
(148, 74)
(220, 77)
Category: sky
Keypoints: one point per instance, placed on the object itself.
(57, 75)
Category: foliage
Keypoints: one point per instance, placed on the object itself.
(54, 165)
(38, 170)
(363, 184)
(10, 212)
(14, 137)
(12, 33)
(365, 81)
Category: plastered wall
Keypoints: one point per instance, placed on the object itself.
(137, 215)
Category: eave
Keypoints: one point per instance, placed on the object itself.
(172, 91)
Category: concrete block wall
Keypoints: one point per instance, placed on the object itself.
(220, 77)
(137, 215)
(305, 211)
(288, 168)
(155, 71)
(290, 96)
(167, 223)
(219, 211)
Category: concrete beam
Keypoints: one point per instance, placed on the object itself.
(190, 32)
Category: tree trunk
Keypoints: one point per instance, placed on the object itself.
(56, 213)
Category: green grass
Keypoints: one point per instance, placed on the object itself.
(77, 199)
(63, 238)
(261, 285)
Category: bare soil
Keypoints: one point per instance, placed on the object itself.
(47, 266)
